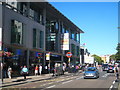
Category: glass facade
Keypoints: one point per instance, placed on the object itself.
(41, 39)
(78, 50)
(16, 32)
(34, 38)
(52, 30)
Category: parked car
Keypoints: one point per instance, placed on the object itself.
(91, 72)
(104, 67)
(110, 69)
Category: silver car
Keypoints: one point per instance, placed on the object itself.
(91, 72)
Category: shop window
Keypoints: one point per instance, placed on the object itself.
(16, 32)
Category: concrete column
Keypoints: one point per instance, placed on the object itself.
(44, 48)
(28, 53)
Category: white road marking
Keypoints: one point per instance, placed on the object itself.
(105, 75)
(113, 82)
(67, 82)
(111, 87)
(79, 78)
(51, 86)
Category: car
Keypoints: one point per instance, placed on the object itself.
(110, 69)
(91, 72)
(104, 67)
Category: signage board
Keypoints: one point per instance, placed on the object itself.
(65, 42)
(47, 56)
(69, 54)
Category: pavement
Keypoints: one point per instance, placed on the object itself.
(20, 80)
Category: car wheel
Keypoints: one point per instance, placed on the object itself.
(98, 76)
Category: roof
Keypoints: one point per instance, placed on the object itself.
(65, 18)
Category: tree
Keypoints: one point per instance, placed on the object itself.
(97, 59)
(118, 52)
(113, 57)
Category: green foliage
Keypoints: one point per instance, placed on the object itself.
(113, 57)
(97, 59)
(118, 52)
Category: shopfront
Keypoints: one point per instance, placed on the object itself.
(15, 58)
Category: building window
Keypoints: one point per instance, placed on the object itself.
(34, 38)
(31, 13)
(72, 35)
(41, 39)
(23, 8)
(78, 37)
(73, 49)
(78, 50)
(16, 32)
(13, 4)
(63, 30)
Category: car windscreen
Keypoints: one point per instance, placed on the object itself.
(105, 65)
(91, 69)
(110, 66)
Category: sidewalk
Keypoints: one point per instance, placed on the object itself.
(20, 80)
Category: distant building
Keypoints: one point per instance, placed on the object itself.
(106, 58)
(85, 56)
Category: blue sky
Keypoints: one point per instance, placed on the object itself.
(99, 21)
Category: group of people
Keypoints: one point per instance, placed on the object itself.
(38, 69)
(24, 71)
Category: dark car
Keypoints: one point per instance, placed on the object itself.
(104, 67)
(110, 69)
(91, 72)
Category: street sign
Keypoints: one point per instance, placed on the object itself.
(47, 56)
(69, 54)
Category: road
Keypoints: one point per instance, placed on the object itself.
(106, 80)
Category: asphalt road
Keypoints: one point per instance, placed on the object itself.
(106, 80)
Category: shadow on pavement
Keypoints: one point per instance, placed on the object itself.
(19, 80)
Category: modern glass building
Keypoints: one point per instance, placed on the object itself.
(30, 30)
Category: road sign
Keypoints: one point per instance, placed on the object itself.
(69, 54)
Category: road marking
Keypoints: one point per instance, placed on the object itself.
(105, 75)
(51, 86)
(79, 78)
(67, 82)
(111, 87)
(113, 82)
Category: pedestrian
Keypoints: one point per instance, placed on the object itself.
(36, 70)
(116, 71)
(46, 69)
(40, 69)
(24, 71)
(9, 72)
(64, 67)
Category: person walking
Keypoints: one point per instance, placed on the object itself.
(24, 71)
(36, 70)
(40, 69)
(9, 72)
(116, 71)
